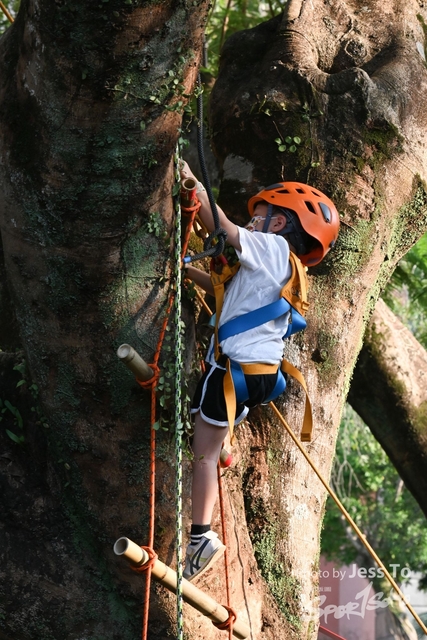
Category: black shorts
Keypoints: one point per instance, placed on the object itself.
(209, 395)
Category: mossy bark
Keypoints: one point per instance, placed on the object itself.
(89, 121)
(87, 147)
(347, 80)
(388, 391)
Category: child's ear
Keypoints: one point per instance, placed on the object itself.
(279, 223)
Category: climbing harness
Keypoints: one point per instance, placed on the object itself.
(292, 300)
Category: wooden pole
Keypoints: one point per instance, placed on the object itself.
(191, 594)
(134, 362)
(6, 12)
(188, 193)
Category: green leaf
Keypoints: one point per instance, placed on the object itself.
(14, 437)
(282, 147)
(19, 419)
(20, 383)
(20, 367)
(9, 406)
(297, 140)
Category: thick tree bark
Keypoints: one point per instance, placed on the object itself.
(86, 163)
(86, 146)
(346, 79)
(388, 390)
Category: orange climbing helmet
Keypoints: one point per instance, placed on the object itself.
(316, 213)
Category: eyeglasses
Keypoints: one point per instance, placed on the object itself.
(251, 226)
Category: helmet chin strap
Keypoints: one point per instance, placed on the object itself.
(294, 230)
(268, 217)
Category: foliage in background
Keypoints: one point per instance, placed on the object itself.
(406, 293)
(229, 16)
(12, 6)
(378, 501)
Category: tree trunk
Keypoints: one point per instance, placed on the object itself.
(388, 391)
(87, 214)
(341, 86)
(86, 171)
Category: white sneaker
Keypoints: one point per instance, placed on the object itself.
(201, 556)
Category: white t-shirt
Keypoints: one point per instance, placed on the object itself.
(264, 270)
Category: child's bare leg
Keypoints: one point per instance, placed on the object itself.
(207, 443)
(204, 548)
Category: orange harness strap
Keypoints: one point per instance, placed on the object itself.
(307, 424)
(296, 288)
(218, 282)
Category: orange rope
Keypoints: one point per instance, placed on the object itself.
(189, 213)
(152, 384)
(227, 624)
(226, 563)
(148, 384)
(230, 621)
(152, 557)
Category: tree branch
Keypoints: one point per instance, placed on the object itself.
(389, 392)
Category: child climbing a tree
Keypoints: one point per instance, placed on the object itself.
(243, 361)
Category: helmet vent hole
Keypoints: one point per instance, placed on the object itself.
(299, 190)
(282, 191)
(310, 206)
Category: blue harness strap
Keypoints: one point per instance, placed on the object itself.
(296, 323)
(253, 318)
(241, 389)
(259, 316)
(240, 386)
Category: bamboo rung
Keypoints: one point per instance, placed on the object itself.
(168, 578)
